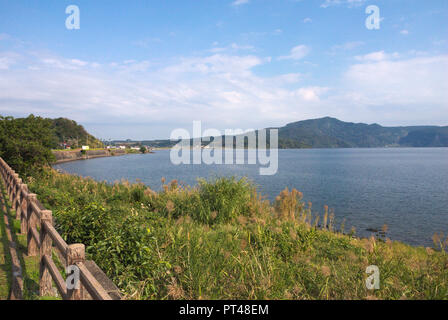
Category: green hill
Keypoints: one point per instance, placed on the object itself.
(69, 132)
(332, 133)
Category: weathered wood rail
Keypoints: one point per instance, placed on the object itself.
(42, 237)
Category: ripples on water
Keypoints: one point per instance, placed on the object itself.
(405, 188)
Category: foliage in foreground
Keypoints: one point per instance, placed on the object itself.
(221, 240)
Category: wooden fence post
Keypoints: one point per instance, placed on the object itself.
(31, 222)
(8, 183)
(75, 254)
(23, 211)
(15, 190)
(24, 217)
(46, 243)
(21, 203)
(17, 200)
(11, 184)
(2, 171)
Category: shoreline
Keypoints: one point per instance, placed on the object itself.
(375, 232)
(86, 158)
(75, 155)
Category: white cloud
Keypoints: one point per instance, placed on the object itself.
(7, 59)
(77, 62)
(348, 3)
(311, 93)
(288, 78)
(241, 47)
(232, 47)
(413, 90)
(221, 90)
(67, 64)
(239, 2)
(405, 32)
(307, 20)
(348, 45)
(297, 53)
(377, 56)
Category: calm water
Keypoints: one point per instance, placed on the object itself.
(407, 189)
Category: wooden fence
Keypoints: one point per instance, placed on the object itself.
(37, 224)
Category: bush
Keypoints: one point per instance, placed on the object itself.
(220, 240)
(217, 201)
(25, 143)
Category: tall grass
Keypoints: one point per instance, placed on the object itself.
(222, 240)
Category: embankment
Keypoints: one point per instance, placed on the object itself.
(72, 155)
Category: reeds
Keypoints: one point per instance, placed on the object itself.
(222, 240)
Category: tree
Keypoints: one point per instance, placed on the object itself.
(74, 134)
(25, 143)
(143, 149)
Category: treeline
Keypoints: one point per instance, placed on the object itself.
(74, 135)
(26, 143)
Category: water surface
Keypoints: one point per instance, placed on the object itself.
(405, 188)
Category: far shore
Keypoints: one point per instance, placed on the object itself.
(63, 156)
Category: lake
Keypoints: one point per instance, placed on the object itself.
(405, 188)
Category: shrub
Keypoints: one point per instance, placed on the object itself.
(221, 240)
(221, 200)
(25, 143)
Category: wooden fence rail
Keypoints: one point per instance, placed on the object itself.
(37, 223)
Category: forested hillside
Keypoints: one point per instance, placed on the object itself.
(73, 134)
(332, 133)
(26, 143)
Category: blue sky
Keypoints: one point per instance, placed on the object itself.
(139, 69)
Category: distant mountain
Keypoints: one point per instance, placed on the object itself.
(333, 133)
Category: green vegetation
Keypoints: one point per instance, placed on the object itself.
(222, 240)
(25, 143)
(73, 134)
(5, 262)
(332, 133)
(218, 240)
(30, 265)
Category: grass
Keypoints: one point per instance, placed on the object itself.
(222, 240)
(5, 262)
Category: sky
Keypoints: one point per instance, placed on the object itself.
(140, 69)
